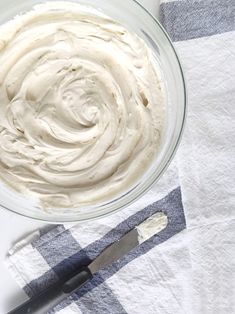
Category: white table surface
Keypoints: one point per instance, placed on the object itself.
(14, 227)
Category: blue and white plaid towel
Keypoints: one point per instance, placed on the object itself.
(194, 271)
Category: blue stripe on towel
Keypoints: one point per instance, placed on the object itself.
(190, 19)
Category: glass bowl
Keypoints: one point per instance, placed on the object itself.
(137, 19)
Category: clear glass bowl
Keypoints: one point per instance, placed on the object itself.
(132, 15)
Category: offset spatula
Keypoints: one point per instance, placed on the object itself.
(56, 293)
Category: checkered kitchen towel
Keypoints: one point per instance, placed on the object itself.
(194, 271)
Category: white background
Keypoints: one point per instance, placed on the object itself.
(14, 227)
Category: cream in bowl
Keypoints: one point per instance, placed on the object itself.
(82, 106)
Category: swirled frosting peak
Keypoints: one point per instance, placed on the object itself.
(81, 106)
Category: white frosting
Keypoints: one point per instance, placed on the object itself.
(151, 226)
(81, 105)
